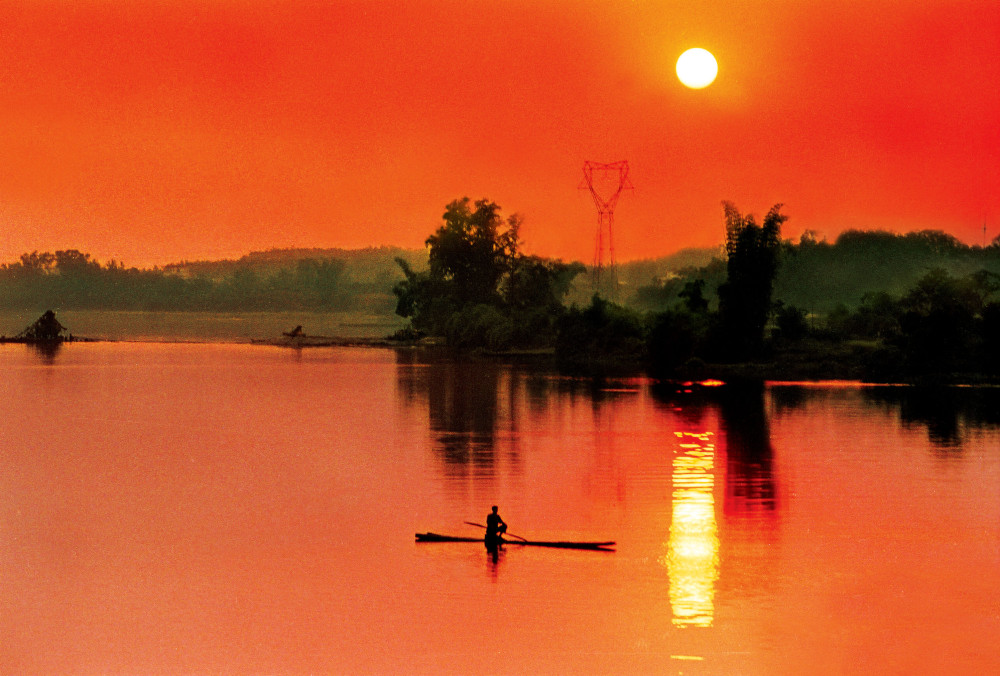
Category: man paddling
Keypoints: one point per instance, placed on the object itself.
(495, 527)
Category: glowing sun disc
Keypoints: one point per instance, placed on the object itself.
(697, 68)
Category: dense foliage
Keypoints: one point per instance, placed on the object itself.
(479, 289)
(819, 276)
(944, 325)
(600, 338)
(73, 280)
(875, 305)
(944, 328)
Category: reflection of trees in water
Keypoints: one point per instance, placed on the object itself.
(475, 409)
(543, 390)
(470, 404)
(46, 351)
(750, 478)
(749, 534)
(789, 397)
(948, 413)
(596, 391)
(537, 387)
(463, 410)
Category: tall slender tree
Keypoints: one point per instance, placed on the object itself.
(752, 253)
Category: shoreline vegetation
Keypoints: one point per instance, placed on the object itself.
(803, 365)
(919, 307)
(802, 361)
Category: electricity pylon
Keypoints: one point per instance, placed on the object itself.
(606, 181)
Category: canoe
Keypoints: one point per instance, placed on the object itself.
(599, 546)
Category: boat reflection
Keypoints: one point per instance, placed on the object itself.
(495, 558)
(693, 546)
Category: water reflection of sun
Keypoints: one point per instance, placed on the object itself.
(693, 548)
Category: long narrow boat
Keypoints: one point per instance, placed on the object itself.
(599, 546)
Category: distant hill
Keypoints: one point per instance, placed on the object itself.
(363, 266)
(636, 273)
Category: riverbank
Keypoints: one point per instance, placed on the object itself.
(807, 360)
(804, 360)
(219, 327)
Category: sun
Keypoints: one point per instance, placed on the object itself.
(697, 68)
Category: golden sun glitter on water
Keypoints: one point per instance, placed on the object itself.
(692, 558)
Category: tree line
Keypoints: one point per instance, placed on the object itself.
(480, 291)
(871, 304)
(819, 276)
(71, 279)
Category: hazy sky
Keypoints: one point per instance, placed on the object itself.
(155, 131)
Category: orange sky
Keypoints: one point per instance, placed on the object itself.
(155, 131)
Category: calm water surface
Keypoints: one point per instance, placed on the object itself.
(227, 509)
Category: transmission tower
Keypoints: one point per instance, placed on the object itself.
(606, 181)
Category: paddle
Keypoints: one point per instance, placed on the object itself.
(510, 534)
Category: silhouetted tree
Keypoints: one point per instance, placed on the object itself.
(939, 320)
(693, 296)
(536, 282)
(480, 290)
(752, 261)
(73, 262)
(37, 262)
(423, 299)
(790, 322)
(473, 250)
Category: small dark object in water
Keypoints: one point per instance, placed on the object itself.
(45, 329)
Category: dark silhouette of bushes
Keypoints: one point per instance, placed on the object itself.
(600, 338)
(479, 290)
(73, 280)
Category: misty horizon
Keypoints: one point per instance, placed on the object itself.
(985, 239)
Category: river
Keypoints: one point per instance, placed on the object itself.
(236, 509)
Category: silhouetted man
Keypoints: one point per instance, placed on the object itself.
(495, 526)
